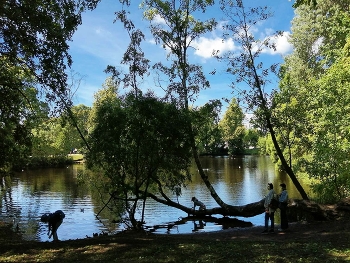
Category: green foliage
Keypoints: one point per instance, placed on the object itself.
(141, 145)
(232, 128)
(327, 26)
(304, 2)
(329, 161)
(312, 107)
(57, 136)
(33, 60)
(20, 111)
(251, 138)
(205, 124)
(36, 37)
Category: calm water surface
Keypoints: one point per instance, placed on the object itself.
(27, 195)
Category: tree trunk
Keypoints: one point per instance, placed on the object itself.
(248, 210)
(287, 168)
(267, 114)
(204, 177)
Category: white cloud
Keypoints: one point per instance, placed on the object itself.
(221, 25)
(151, 41)
(283, 47)
(158, 19)
(205, 46)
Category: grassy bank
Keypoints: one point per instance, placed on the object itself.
(213, 247)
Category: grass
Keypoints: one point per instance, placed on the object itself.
(76, 156)
(142, 248)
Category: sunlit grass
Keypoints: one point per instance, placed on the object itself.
(76, 156)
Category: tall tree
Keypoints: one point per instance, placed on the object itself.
(141, 144)
(232, 128)
(206, 128)
(309, 84)
(328, 161)
(126, 111)
(34, 35)
(34, 39)
(176, 33)
(289, 114)
(246, 67)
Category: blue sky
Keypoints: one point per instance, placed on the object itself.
(99, 42)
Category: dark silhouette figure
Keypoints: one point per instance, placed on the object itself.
(55, 220)
(283, 200)
(196, 202)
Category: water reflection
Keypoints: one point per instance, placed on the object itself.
(27, 195)
(32, 193)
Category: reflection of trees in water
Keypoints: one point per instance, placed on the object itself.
(11, 211)
(105, 206)
(7, 204)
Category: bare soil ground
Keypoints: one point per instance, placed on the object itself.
(317, 241)
(307, 243)
(335, 231)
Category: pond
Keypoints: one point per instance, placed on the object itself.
(29, 194)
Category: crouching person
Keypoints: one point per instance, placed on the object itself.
(54, 220)
(196, 202)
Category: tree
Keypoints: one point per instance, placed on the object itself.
(245, 66)
(206, 129)
(304, 2)
(20, 111)
(57, 136)
(141, 149)
(34, 35)
(185, 79)
(141, 145)
(289, 115)
(232, 128)
(329, 152)
(309, 87)
(251, 138)
(34, 48)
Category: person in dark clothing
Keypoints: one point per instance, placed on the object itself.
(196, 202)
(283, 203)
(55, 220)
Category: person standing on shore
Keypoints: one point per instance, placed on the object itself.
(269, 210)
(283, 203)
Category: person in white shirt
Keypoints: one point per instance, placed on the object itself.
(269, 211)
